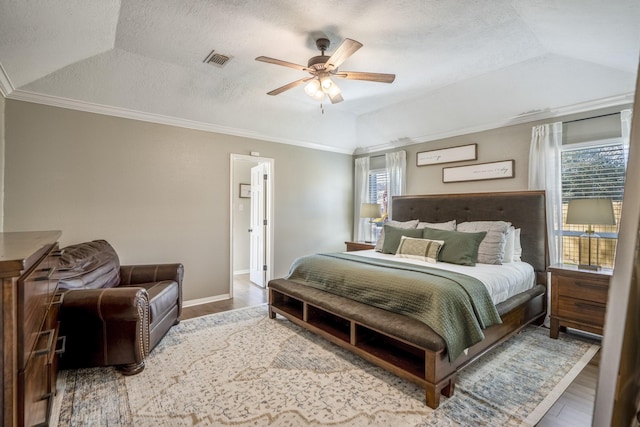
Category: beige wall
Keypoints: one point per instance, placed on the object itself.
(505, 143)
(161, 193)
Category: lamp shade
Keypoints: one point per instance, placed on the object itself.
(590, 211)
(370, 210)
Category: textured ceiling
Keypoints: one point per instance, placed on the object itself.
(461, 65)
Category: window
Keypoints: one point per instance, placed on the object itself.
(592, 170)
(378, 181)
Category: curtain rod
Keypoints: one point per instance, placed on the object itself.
(594, 117)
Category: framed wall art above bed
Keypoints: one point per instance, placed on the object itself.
(479, 172)
(447, 155)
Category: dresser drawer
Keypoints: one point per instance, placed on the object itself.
(588, 312)
(37, 390)
(35, 297)
(590, 290)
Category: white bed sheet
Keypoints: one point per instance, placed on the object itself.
(502, 281)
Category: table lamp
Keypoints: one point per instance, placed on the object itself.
(590, 212)
(371, 211)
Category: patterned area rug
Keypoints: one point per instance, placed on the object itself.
(241, 368)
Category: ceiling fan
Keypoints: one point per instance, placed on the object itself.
(322, 68)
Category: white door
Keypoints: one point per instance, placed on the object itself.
(258, 227)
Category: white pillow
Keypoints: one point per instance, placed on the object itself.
(406, 225)
(517, 246)
(420, 249)
(449, 225)
(510, 245)
(491, 249)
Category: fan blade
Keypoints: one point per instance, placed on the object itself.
(283, 63)
(344, 51)
(289, 86)
(371, 77)
(336, 98)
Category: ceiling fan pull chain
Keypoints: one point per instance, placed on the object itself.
(322, 108)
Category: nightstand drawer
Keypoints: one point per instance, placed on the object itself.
(582, 311)
(590, 290)
(359, 246)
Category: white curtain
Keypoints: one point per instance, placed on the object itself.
(396, 164)
(360, 196)
(625, 123)
(545, 174)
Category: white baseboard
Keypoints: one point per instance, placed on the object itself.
(200, 301)
(237, 272)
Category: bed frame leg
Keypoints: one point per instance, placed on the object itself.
(432, 393)
(449, 388)
(272, 314)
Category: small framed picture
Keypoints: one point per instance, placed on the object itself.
(245, 191)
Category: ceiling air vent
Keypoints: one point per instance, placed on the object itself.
(217, 59)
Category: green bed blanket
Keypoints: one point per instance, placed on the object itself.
(456, 306)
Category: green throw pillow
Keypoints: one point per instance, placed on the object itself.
(392, 236)
(459, 248)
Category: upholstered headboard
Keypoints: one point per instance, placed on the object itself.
(524, 209)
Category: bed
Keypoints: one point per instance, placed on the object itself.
(401, 343)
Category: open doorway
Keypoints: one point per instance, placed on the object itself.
(251, 234)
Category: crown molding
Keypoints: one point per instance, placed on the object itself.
(6, 87)
(534, 116)
(89, 107)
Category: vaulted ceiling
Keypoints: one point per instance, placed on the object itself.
(460, 65)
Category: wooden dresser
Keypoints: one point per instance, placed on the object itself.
(578, 298)
(29, 325)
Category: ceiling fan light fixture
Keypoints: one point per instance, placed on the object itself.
(322, 68)
(312, 87)
(333, 90)
(326, 83)
(318, 96)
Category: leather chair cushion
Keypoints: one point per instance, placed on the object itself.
(162, 298)
(88, 265)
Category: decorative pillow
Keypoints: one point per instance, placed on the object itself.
(392, 236)
(420, 249)
(517, 246)
(458, 248)
(398, 224)
(509, 246)
(449, 225)
(491, 250)
(88, 265)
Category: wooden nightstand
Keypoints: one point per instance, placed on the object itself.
(578, 298)
(359, 246)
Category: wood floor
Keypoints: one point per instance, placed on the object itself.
(573, 409)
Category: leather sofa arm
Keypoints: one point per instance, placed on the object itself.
(106, 327)
(137, 274)
(119, 304)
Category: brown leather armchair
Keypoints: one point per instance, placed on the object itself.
(114, 315)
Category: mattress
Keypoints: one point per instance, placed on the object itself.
(502, 281)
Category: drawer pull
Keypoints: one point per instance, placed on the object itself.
(46, 396)
(44, 351)
(58, 298)
(586, 305)
(46, 274)
(49, 398)
(590, 285)
(63, 347)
